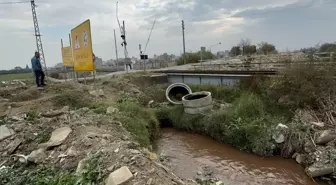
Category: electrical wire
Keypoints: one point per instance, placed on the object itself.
(149, 37)
(14, 2)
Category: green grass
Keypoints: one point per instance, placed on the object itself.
(20, 76)
(247, 125)
(139, 121)
(92, 174)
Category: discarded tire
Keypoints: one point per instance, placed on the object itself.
(176, 91)
(198, 102)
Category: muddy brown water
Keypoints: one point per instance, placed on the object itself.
(190, 153)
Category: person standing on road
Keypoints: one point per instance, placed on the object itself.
(37, 68)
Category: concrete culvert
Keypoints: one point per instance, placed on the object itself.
(198, 102)
(176, 91)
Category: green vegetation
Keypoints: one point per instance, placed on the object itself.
(73, 98)
(258, 106)
(17, 175)
(21, 76)
(139, 121)
(194, 57)
(99, 107)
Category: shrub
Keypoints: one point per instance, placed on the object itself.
(73, 98)
(139, 121)
(194, 57)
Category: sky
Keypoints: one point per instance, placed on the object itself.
(288, 24)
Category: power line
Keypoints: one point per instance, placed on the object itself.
(14, 2)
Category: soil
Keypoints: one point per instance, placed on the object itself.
(91, 134)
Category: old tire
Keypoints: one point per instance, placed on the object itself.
(176, 91)
(198, 102)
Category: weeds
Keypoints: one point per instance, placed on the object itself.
(74, 99)
(139, 121)
(99, 107)
(92, 174)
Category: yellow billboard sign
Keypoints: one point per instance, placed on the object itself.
(82, 47)
(67, 56)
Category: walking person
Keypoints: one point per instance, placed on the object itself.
(37, 68)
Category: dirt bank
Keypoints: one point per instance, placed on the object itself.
(43, 142)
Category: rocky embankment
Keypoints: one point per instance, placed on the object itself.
(73, 146)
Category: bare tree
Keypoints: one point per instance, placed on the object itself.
(244, 43)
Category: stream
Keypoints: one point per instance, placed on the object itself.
(188, 155)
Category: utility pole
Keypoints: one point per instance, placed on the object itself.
(183, 42)
(116, 49)
(38, 37)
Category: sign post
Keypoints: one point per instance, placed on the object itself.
(82, 47)
(202, 50)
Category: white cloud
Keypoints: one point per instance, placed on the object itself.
(206, 23)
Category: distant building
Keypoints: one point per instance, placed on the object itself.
(98, 62)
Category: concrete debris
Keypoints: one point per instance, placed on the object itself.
(13, 146)
(65, 109)
(111, 110)
(119, 177)
(279, 135)
(81, 165)
(37, 156)
(219, 183)
(280, 138)
(300, 158)
(318, 124)
(150, 181)
(99, 93)
(16, 118)
(281, 126)
(325, 137)
(150, 103)
(321, 170)
(57, 137)
(21, 158)
(225, 106)
(5, 132)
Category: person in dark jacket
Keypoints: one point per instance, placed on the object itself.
(37, 68)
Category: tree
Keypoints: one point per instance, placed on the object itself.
(250, 49)
(27, 67)
(266, 48)
(244, 43)
(328, 47)
(235, 51)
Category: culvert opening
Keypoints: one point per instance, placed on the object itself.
(165, 123)
(195, 97)
(176, 93)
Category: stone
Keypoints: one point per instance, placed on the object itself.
(224, 106)
(37, 156)
(13, 146)
(81, 165)
(111, 110)
(65, 109)
(22, 158)
(58, 136)
(150, 181)
(280, 138)
(119, 177)
(150, 103)
(99, 93)
(314, 171)
(16, 118)
(325, 137)
(300, 158)
(5, 132)
(318, 124)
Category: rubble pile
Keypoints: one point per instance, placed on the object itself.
(66, 140)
